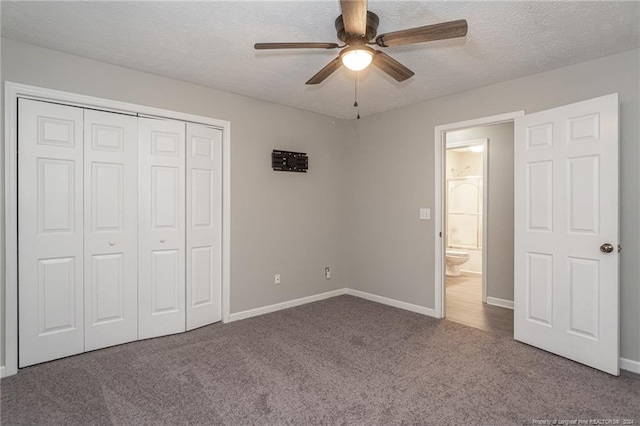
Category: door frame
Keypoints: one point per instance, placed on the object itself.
(439, 180)
(12, 92)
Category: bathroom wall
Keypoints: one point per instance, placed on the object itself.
(461, 163)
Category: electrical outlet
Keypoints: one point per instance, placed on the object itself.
(425, 214)
(327, 273)
(276, 279)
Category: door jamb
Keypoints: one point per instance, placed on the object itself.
(12, 92)
(440, 150)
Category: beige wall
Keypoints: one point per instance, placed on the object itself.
(391, 251)
(357, 208)
(500, 205)
(286, 223)
(2, 245)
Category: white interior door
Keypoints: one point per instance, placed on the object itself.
(110, 229)
(566, 232)
(161, 179)
(50, 231)
(204, 225)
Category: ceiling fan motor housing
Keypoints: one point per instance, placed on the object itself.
(372, 29)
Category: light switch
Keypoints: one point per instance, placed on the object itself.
(425, 214)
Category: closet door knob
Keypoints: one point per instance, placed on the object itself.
(162, 240)
(112, 243)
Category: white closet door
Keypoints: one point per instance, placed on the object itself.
(110, 229)
(161, 275)
(50, 231)
(204, 225)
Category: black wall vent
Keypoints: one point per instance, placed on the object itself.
(287, 161)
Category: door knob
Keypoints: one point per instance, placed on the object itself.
(606, 248)
(112, 243)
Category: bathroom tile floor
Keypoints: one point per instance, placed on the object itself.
(464, 306)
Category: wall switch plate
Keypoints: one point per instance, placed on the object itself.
(425, 214)
(327, 273)
(276, 279)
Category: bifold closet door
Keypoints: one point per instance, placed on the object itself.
(161, 259)
(204, 225)
(50, 231)
(110, 229)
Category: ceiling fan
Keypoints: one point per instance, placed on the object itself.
(357, 29)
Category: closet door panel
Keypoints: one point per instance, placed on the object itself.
(165, 281)
(161, 228)
(204, 225)
(110, 235)
(50, 231)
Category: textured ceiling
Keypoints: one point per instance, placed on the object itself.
(211, 43)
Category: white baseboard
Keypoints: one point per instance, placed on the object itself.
(304, 300)
(7, 371)
(479, 274)
(630, 365)
(500, 302)
(392, 302)
(284, 305)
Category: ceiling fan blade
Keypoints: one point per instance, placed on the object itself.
(392, 67)
(441, 31)
(354, 16)
(326, 71)
(260, 46)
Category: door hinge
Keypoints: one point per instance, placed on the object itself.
(440, 234)
(619, 248)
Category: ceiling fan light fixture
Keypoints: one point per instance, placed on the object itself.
(357, 58)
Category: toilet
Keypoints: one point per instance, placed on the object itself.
(455, 258)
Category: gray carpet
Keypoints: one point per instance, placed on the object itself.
(339, 361)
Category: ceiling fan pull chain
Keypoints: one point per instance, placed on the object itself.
(355, 103)
(355, 95)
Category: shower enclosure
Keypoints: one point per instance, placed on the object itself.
(464, 213)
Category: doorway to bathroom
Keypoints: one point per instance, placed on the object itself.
(465, 217)
(474, 280)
